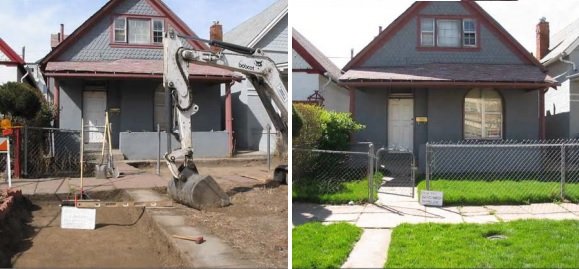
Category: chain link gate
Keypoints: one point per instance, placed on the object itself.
(398, 170)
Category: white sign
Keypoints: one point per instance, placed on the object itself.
(431, 198)
(77, 218)
(5, 148)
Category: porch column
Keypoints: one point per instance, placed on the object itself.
(228, 119)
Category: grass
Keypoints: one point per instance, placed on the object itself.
(529, 244)
(323, 246)
(467, 192)
(355, 191)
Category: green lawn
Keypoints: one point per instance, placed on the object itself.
(529, 244)
(344, 192)
(323, 246)
(463, 192)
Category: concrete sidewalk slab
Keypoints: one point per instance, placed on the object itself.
(544, 208)
(480, 219)
(371, 250)
(350, 217)
(571, 207)
(474, 211)
(507, 209)
(386, 220)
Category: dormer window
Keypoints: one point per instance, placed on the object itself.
(448, 33)
(138, 31)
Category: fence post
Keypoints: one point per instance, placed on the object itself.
(371, 173)
(25, 150)
(158, 149)
(427, 168)
(563, 172)
(268, 127)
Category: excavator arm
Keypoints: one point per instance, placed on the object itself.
(187, 186)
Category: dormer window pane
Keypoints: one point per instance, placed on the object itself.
(120, 30)
(139, 31)
(158, 28)
(427, 32)
(448, 33)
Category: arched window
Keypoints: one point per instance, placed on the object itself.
(483, 114)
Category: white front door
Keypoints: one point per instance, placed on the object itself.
(93, 112)
(401, 124)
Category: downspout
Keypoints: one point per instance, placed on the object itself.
(25, 75)
(542, 128)
(567, 61)
(327, 75)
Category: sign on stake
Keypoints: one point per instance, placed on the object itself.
(5, 149)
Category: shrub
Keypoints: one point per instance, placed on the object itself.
(20, 100)
(311, 129)
(297, 122)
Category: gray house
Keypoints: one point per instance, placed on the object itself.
(560, 55)
(445, 71)
(267, 30)
(114, 62)
(315, 77)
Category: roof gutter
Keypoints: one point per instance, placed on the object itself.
(567, 61)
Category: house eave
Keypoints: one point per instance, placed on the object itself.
(447, 84)
(220, 79)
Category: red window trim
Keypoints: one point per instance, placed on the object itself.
(127, 17)
(462, 47)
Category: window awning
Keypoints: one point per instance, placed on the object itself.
(445, 75)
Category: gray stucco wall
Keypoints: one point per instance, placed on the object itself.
(444, 109)
(137, 105)
(144, 145)
(211, 109)
(401, 48)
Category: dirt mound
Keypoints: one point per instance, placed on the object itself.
(14, 225)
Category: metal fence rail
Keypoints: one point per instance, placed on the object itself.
(325, 171)
(545, 167)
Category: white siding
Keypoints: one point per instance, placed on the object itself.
(298, 62)
(304, 85)
(8, 73)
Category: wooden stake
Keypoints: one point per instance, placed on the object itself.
(81, 156)
(198, 239)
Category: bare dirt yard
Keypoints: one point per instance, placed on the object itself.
(256, 224)
(123, 238)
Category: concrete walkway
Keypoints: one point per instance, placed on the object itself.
(391, 210)
(131, 178)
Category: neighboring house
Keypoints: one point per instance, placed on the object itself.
(114, 62)
(560, 55)
(267, 30)
(315, 77)
(445, 71)
(11, 64)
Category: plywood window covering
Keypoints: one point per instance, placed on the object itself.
(120, 32)
(427, 32)
(158, 29)
(483, 114)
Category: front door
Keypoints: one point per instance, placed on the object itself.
(401, 124)
(93, 112)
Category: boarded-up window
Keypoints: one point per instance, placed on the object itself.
(483, 114)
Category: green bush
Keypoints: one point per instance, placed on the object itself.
(297, 122)
(324, 129)
(311, 130)
(20, 100)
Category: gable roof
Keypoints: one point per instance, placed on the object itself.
(8, 56)
(251, 31)
(313, 56)
(105, 10)
(564, 41)
(413, 10)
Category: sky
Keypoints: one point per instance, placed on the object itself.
(37, 19)
(336, 26)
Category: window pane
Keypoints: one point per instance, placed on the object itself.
(472, 125)
(139, 31)
(158, 28)
(469, 39)
(120, 35)
(469, 26)
(448, 33)
(493, 125)
(427, 25)
(427, 39)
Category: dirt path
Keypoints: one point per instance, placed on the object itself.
(118, 241)
(256, 224)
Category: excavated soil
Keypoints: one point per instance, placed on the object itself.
(256, 224)
(123, 238)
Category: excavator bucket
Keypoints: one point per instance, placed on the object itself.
(198, 192)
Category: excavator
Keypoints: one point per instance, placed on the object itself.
(187, 186)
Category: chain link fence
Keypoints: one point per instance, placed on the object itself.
(528, 171)
(320, 172)
(398, 169)
(50, 152)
